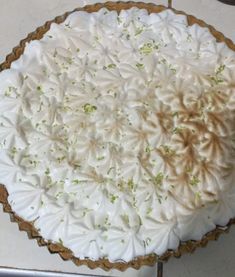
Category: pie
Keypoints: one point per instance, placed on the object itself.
(117, 133)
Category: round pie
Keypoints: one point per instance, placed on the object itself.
(117, 133)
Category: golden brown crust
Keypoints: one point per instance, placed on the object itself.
(66, 254)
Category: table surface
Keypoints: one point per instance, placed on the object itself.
(17, 19)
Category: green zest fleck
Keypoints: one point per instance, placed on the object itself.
(106, 221)
(159, 198)
(122, 241)
(130, 184)
(60, 159)
(168, 150)
(39, 88)
(198, 195)
(76, 182)
(220, 69)
(138, 31)
(113, 198)
(47, 172)
(177, 130)
(13, 151)
(173, 70)
(194, 181)
(163, 61)
(149, 210)
(188, 169)
(69, 60)
(125, 218)
(59, 194)
(134, 202)
(100, 158)
(111, 168)
(216, 80)
(148, 48)
(112, 65)
(9, 90)
(148, 149)
(34, 163)
(88, 108)
(158, 179)
(140, 65)
(175, 114)
(146, 242)
(76, 165)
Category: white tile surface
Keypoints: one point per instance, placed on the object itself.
(17, 19)
(215, 13)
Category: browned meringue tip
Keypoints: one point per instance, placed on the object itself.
(66, 254)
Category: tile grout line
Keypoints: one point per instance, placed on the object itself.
(170, 3)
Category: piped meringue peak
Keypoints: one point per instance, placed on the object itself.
(117, 133)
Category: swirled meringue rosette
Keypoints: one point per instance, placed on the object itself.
(117, 133)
